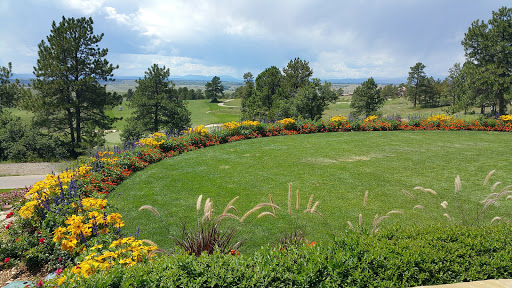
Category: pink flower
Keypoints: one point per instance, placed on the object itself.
(59, 271)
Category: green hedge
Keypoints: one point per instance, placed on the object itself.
(396, 257)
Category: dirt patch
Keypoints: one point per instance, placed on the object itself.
(20, 273)
(20, 169)
(355, 158)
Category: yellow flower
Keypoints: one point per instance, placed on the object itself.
(439, 117)
(506, 118)
(28, 209)
(230, 125)
(251, 123)
(371, 118)
(286, 121)
(339, 118)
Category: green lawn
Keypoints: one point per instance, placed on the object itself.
(399, 106)
(336, 167)
(203, 112)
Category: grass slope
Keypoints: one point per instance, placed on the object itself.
(336, 167)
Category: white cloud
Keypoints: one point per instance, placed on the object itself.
(137, 64)
(86, 7)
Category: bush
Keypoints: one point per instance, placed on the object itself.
(397, 257)
(22, 143)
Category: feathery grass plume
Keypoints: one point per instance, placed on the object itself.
(407, 193)
(458, 184)
(310, 201)
(290, 199)
(267, 213)
(149, 242)
(377, 219)
(314, 206)
(495, 185)
(418, 207)
(230, 206)
(272, 201)
(313, 211)
(158, 250)
(491, 201)
(360, 219)
(489, 197)
(365, 198)
(504, 191)
(444, 204)
(226, 215)
(430, 191)
(198, 203)
(350, 225)
(150, 208)
(419, 188)
(509, 197)
(256, 208)
(488, 177)
(447, 216)
(495, 219)
(298, 200)
(206, 205)
(394, 212)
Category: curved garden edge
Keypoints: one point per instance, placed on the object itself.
(85, 187)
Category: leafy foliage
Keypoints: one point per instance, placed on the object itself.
(156, 106)
(488, 52)
(214, 89)
(398, 257)
(70, 98)
(367, 98)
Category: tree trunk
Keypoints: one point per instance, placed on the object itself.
(155, 120)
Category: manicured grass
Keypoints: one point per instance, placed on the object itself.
(401, 107)
(203, 112)
(336, 167)
(5, 190)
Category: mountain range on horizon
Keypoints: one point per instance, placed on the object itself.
(226, 78)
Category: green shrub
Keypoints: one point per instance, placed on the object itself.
(396, 257)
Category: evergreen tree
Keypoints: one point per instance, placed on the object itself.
(367, 98)
(156, 106)
(71, 99)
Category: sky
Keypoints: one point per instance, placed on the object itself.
(340, 39)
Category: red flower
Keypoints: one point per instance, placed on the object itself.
(41, 241)
(8, 226)
(7, 260)
(59, 271)
(9, 215)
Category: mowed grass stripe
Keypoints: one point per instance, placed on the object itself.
(336, 167)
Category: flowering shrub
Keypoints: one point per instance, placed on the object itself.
(288, 123)
(155, 140)
(230, 125)
(201, 130)
(339, 118)
(506, 118)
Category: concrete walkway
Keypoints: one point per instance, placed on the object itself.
(12, 182)
(501, 283)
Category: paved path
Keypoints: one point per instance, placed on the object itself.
(11, 182)
(223, 104)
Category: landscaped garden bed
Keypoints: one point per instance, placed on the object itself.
(65, 223)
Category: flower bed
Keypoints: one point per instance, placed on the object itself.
(65, 221)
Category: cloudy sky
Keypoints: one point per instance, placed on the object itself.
(340, 39)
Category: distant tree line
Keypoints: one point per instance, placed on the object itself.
(68, 96)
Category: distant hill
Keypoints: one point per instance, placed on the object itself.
(225, 78)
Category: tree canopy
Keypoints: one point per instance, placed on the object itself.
(214, 89)
(290, 93)
(367, 98)
(488, 53)
(156, 105)
(70, 98)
